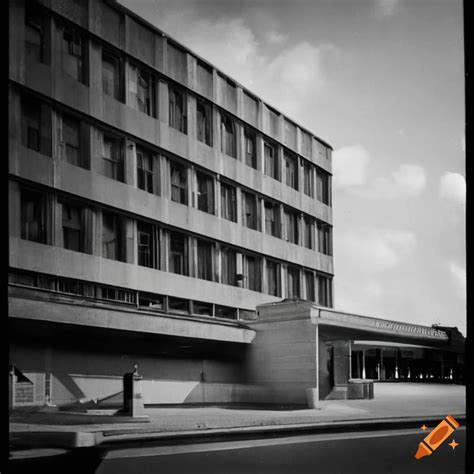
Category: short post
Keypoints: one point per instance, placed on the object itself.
(132, 394)
(12, 387)
(312, 394)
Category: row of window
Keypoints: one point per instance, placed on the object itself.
(140, 92)
(139, 299)
(74, 139)
(156, 247)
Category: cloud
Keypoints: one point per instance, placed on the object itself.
(407, 181)
(385, 7)
(374, 250)
(287, 77)
(350, 166)
(274, 37)
(453, 188)
(458, 276)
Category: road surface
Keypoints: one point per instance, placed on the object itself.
(378, 452)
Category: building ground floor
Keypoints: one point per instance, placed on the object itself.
(292, 349)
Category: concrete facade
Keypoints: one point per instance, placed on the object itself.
(150, 196)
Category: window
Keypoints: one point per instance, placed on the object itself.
(72, 140)
(290, 134)
(151, 301)
(324, 291)
(291, 226)
(75, 54)
(112, 75)
(250, 109)
(204, 80)
(228, 266)
(77, 227)
(323, 186)
(202, 309)
(225, 312)
(142, 90)
(228, 93)
(178, 179)
(308, 232)
(178, 254)
(324, 238)
(293, 282)
(250, 148)
(147, 243)
(36, 125)
(272, 272)
(35, 34)
(177, 67)
(177, 109)
(271, 161)
(205, 260)
(228, 202)
(110, 293)
(205, 192)
(272, 219)
(228, 136)
(145, 170)
(309, 284)
(204, 122)
(112, 237)
(112, 157)
(272, 122)
(250, 210)
(308, 183)
(252, 272)
(291, 171)
(178, 305)
(305, 143)
(33, 216)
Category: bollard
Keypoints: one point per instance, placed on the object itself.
(132, 394)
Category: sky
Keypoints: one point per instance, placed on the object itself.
(382, 81)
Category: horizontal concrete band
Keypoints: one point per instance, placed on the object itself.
(126, 320)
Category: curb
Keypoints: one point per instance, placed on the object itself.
(84, 439)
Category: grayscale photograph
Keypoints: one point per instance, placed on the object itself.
(236, 237)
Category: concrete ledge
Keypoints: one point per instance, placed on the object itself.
(70, 439)
(54, 439)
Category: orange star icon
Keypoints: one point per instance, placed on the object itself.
(424, 427)
(453, 444)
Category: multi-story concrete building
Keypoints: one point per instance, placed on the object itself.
(150, 194)
(159, 213)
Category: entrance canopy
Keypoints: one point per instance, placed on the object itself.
(343, 325)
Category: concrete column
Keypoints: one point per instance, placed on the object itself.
(240, 102)
(281, 164)
(217, 200)
(259, 114)
(300, 174)
(341, 362)
(14, 198)
(192, 71)
(363, 364)
(131, 250)
(166, 249)
(238, 196)
(97, 230)
(57, 224)
(163, 101)
(312, 394)
(284, 278)
(130, 165)
(260, 153)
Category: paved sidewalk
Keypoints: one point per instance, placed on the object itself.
(392, 402)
